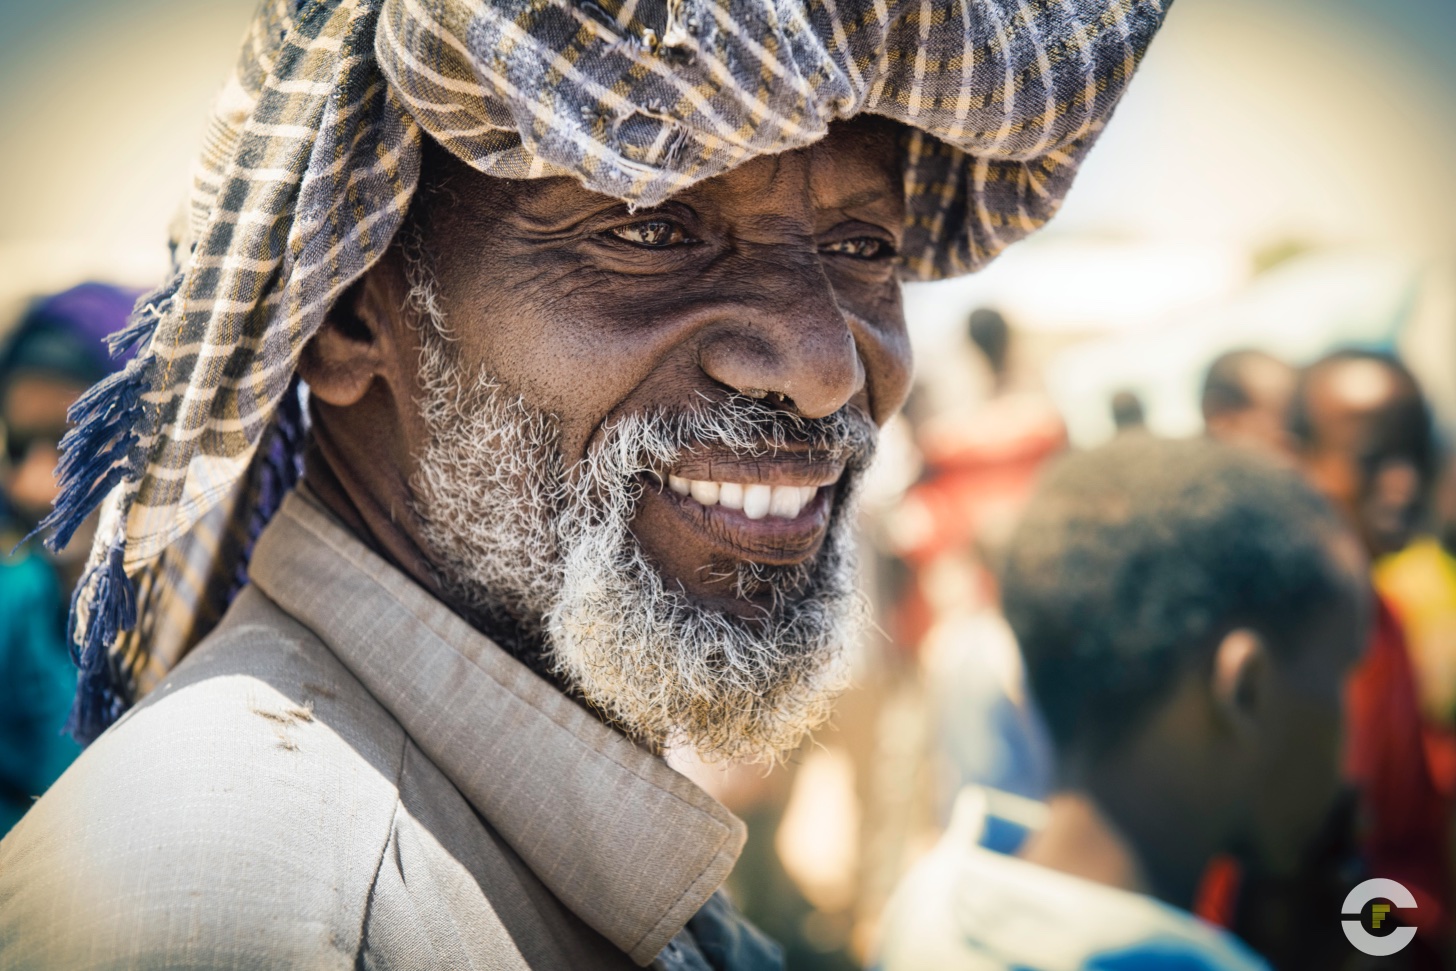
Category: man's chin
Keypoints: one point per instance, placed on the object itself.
(731, 678)
(747, 593)
(738, 669)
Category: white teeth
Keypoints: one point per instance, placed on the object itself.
(756, 500)
(786, 501)
(704, 492)
(730, 494)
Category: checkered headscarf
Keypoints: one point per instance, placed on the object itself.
(314, 152)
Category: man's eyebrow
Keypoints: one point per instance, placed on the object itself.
(860, 199)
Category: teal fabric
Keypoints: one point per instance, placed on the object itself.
(37, 682)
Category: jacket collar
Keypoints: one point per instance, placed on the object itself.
(626, 842)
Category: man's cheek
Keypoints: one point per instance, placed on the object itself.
(1318, 737)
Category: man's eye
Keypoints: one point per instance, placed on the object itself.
(651, 233)
(859, 248)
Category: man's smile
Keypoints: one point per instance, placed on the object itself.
(755, 500)
(774, 511)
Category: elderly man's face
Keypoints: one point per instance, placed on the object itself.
(637, 430)
(775, 281)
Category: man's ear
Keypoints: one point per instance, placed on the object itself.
(355, 345)
(1240, 680)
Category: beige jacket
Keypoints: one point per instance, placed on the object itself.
(346, 775)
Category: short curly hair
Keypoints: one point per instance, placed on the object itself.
(1134, 560)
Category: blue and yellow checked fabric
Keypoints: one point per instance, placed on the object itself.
(313, 154)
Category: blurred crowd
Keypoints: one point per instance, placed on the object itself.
(48, 358)
(1156, 700)
(977, 754)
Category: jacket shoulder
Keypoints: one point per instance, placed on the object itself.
(234, 818)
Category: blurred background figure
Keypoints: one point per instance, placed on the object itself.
(1361, 431)
(1363, 434)
(1187, 612)
(1420, 585)
(991, 335)
(1128, 413)
(54, 353)
(1245, 399)
(980, 460)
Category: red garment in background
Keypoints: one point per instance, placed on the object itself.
(1406, 834)
(979, 473)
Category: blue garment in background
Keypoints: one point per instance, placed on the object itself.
(37, 681)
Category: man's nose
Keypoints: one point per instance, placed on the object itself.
(790, 340)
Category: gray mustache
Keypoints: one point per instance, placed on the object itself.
(752, 427)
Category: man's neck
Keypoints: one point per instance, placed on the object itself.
(382, 531)
(1135, 848)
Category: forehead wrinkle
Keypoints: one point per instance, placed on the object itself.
(859, 200)
(774, 164)
(773, 229)
(546, 205)
(462, 185)
(773, 184)
(557, 207)
(857, 154)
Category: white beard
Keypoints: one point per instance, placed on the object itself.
(517, 537)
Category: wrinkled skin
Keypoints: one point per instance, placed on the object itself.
(776, 280)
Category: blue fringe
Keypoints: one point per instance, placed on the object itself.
(96, 451)
(97, 454)
(100, 697)
(142, 324)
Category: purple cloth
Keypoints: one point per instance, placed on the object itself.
(65, 334)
